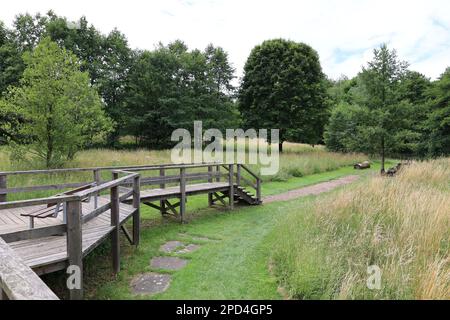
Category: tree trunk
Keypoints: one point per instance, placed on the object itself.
(280, 146)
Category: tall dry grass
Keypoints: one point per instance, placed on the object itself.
(400, 224)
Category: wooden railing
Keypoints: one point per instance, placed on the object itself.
(75, 219)
(17, 280)
(5, 189)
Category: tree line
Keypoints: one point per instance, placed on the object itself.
(65, 86)
(390, 110)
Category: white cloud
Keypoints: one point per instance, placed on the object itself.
(419, 30)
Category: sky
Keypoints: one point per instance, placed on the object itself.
(343, 32)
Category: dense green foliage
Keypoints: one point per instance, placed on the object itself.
(284, 87)
(389, 110)
(171, 87)
(59, 111)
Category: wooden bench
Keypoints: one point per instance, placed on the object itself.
(53, 209)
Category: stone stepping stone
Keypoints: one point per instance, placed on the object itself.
(171, 246)
(168, 263)
(150, 283)
(188, 249)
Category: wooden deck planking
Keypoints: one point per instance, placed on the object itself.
(42, 252)
(51, 250)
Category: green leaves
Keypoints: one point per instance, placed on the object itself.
(61, 111)
(284, 88)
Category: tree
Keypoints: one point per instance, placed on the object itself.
(283, 87)
(11, 63)
(381, 79)
(62, 112)
(107, 58)
(438, 122)
(171, 87)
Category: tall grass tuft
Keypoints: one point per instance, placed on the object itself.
(400, 224)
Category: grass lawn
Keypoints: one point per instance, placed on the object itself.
(233, 265)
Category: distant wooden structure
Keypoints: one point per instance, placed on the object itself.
(52, 233)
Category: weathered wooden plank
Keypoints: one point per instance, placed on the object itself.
(231, 184)
(182, 194)
(3, 185)
(17, 280)
(45, 187)
(34, 233)
(115, 244)
(75, 243)
(137, 211)
(35, 202)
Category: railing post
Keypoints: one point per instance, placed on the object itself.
(75, 244)
(3, 185)
(238, 174)
(258, 189)
(218, 173)
(97, 180)
(183, 193)
(115, 244)
(210, 180)
(231, 183)
(136, 205)
(162, 203)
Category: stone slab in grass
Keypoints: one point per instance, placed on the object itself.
(150, 283)
(171, 246)
(188, 249)
(168, 263)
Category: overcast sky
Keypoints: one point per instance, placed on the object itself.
(344, 32)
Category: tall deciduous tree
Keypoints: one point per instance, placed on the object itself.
(381, 79)
(61, 111)
(283, 87)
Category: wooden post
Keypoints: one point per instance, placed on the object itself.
(183, 193)
(136, 205)
(231, 183)
(115, 243)
(162, 203)
(210, 180)
(97, 180)
(258, 189)
(75, 244)
(218, 173)
(238, 174)
(3, 185)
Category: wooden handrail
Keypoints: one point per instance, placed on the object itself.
(39, 201)
(17, 280)
(129, 168)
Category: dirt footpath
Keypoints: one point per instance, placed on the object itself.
(311, 190)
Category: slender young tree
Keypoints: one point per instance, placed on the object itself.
(381, 79)
(60, 109)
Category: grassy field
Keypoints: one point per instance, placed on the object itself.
(400, 224)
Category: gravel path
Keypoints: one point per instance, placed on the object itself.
(311, 190)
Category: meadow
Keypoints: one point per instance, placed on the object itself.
(401, 225)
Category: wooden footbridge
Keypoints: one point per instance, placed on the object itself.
(48, 234)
